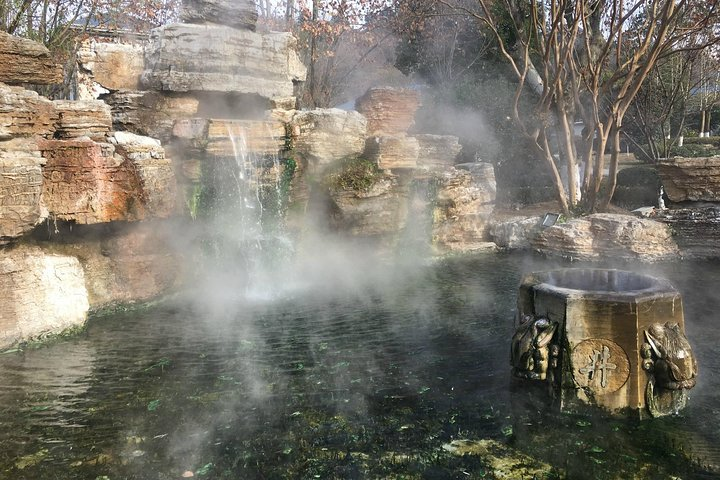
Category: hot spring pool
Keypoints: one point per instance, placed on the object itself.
(365, 381)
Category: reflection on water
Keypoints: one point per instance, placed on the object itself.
(365, 383)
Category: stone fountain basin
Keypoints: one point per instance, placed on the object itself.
(600, 313)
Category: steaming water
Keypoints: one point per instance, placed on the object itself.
(367, 381)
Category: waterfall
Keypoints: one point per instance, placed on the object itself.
(246, 246)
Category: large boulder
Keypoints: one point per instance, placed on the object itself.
(389, 111)
(324, 136)
(437, 152)
(695, 179)
(393, 152)
(606, 235)
(20, 188)
(24, 113)
(42, 294)
(380, 211)
(27, 61)
(213, 58)
(233, 13)
(149, 113)
(463, 206)
(108, 66)
(515, 233)
(82, 118)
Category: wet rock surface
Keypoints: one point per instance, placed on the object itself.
(26, 61)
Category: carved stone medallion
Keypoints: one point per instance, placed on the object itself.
(600, 365)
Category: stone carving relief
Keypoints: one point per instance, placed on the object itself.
(534, 349)
(600, 366)
(669, 359)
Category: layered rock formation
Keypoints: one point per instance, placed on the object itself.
(696, 230)
(240, 14)
(694, 179)
(21, 186)
(89, 182)
(606, 235)
(78, 118)
(42, 294)
(24, 113)
(26, 61)
(150, 113)
(380, 211)
(465, 200)
(393, 152)
(515, 233)
(215, 58)
(324, 136)
(389, 111)
(437, 152)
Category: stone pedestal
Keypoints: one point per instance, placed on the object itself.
(607, 338)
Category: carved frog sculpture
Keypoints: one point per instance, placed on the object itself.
(673, 363)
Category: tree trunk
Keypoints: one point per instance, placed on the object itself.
(612, 174)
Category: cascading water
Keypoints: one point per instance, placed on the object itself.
(243, 205)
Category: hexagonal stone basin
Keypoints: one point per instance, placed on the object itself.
(609, 338)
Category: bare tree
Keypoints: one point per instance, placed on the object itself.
(587, 60)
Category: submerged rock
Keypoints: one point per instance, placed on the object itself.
(607, 235)
(43, 294)
(505, 462)
(20, 188)
(214, 58)
(27, 61)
